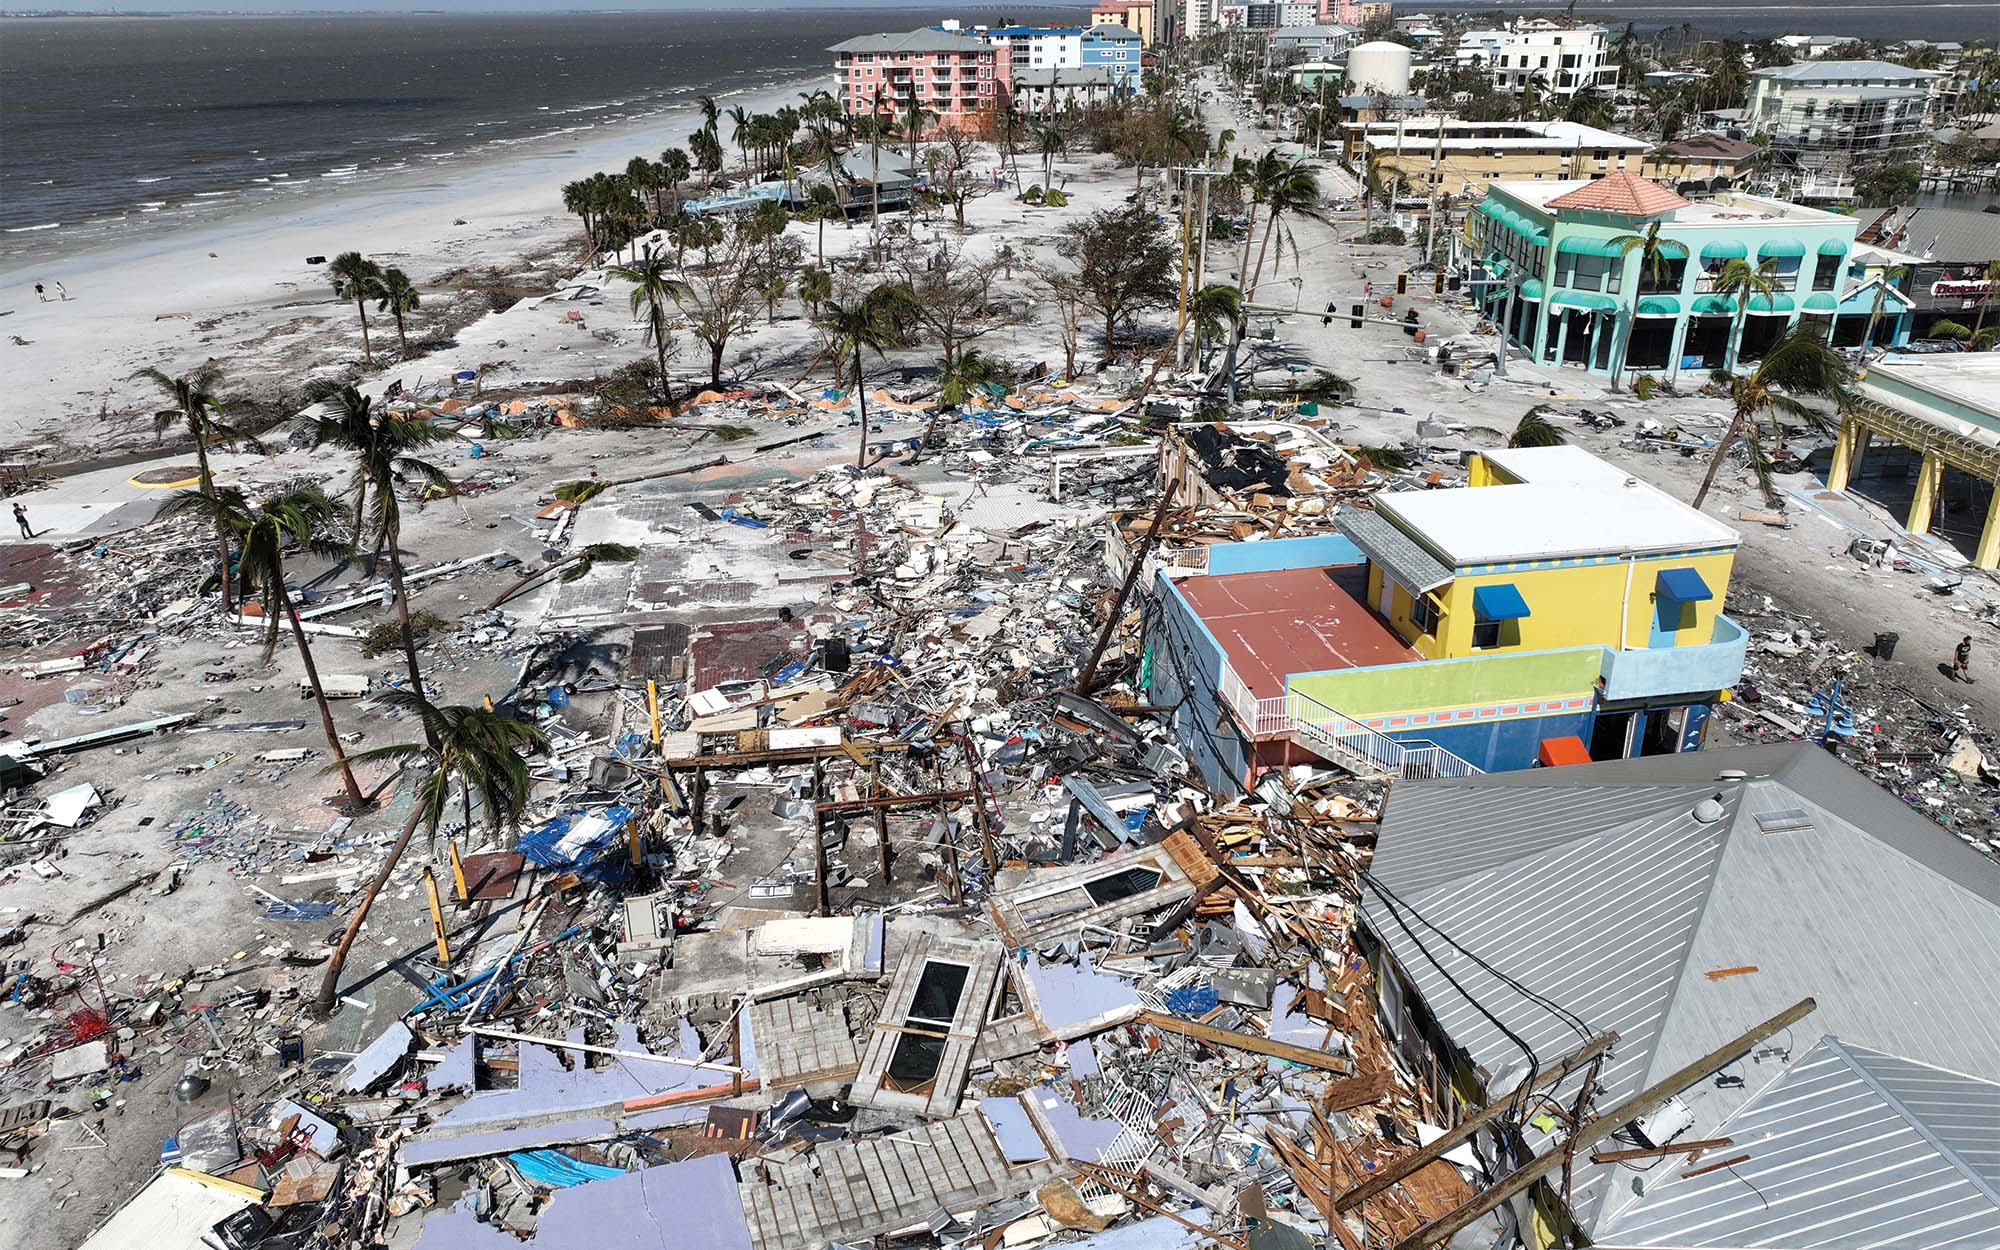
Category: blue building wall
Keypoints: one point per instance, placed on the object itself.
(1499, 746)
(1183, 663)
(1275, 555)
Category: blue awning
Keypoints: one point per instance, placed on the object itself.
(1682, 586)
(1498, 602)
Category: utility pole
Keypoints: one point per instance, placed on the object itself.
(1089, 675)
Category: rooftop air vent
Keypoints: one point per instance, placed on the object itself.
(1784, 820)
(1731, 774)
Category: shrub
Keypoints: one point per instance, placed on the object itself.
(1386, 234)
(1054, 198)
(1645, 386)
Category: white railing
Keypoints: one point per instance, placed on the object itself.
(1336, 734)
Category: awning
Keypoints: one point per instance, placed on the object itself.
(1531, 289)
(1585, 299)
(1713, 306)
(1820, 302)
(1833, 247)
(1782, 247)
(1723, 250)
(1501, 602)
(1398, 555)
(1657, 306)
(1578, 245)
(1494, 209)
(1771, 305)
(1681, 586)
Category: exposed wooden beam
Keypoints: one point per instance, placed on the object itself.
(1244, 1041)
(1661, 1152)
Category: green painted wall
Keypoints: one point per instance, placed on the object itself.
(1425, 685)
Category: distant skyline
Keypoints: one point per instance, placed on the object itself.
(147, 7)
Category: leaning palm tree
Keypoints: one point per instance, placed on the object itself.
(1992, 276)
(868, 323)
(199, 409)
(470, 748)
(301, 517)
(1741, 281)
(1654, 254)
(357, 278)
(1292, 191)
(398, 295)
(654, 286)
(1798, 368)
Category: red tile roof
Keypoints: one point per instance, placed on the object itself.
(1626, 194)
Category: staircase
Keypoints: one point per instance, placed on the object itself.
(1337, 738)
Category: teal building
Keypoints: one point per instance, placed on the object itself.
(1563, 277)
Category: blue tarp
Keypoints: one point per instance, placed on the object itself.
(553, 1167)
(1498, 602)
(544, 846)
(1682, 586)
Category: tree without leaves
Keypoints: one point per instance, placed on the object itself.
(199, 410)
(720, 302)
(1068, 296)
(357, 278)
(1124, 264)
(948, 302)
(474, 750)
(262, 532)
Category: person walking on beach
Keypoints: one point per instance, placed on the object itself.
(21, 520)
(1961, 660)
(62, 291)
(40, 294)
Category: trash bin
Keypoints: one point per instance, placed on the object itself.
(1885, 646)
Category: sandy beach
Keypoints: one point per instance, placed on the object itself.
(238, 290)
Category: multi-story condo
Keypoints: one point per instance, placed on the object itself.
(1829, 116)
(1351, 12)
(1281, 15)
(955, 77)
(1137, 16)
(1111, 48)
(1442, 155)
(1562, 61)
(1311, 43)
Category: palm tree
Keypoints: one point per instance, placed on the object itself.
(654, 286)
(916, 119)
(1740, 280)
(573, 566)
(1588, 107)
(1653, 257)
(1215, 310)
(357, 278)
(970, 370)
(197, 407)
(822, 205)
(857, 325)
(300, 516)
(1890, 275)
(815, 287)
(1012, 120)
(1291, 191)
(740, 132)
(468, 747)
(675, 167)
(341, 416)
(1798, 367)
(398, 295)
(1053, 143)
(1534, 430)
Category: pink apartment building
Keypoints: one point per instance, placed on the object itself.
(957, 77)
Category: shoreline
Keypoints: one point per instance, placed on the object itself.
(237, 290)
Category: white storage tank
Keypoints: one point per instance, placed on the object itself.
(1379, 68)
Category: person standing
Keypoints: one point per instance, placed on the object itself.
(21, 520)
(62, 291)
(1961, 660)
(41, 294)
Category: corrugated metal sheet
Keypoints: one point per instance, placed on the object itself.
(1888, 921)
(1839, 1157)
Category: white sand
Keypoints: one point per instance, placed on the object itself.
(239, 290)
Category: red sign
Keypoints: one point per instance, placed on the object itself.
(1954, 288)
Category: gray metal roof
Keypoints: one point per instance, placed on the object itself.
(926, 40)
(1381, 541)
(1598, 887)
(1834, 72)
(1949, 235)
(1850, 1148)
(1051, 76)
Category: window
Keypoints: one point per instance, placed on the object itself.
(1486, 634)
(1788, 269)
(1826, 273)
(1119, 885)
(1424, 614)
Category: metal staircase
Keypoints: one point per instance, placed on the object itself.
(1338, 738)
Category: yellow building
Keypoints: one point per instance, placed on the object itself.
(1431, 155)
(1134, 15)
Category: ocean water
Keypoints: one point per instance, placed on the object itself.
(116, 125)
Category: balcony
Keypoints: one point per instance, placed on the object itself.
(1695, 669)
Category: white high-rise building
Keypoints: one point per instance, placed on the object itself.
(1562, 60)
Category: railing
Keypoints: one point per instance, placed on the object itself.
(1335, 734)
(1690, 668)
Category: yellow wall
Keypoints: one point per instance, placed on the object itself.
(1573, 606)
(1468, 171)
